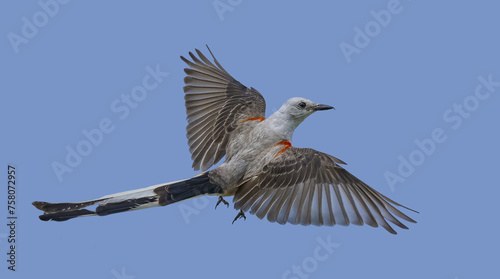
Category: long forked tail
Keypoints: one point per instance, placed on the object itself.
(158, 195)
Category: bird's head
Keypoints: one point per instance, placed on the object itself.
(291, 114)
(300, 108)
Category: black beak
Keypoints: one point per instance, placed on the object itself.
(323, 107)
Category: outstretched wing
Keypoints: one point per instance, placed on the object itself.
(216, 104)
(304, 186)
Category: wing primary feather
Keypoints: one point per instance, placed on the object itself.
(347, 193)
(200, 54)
(388, 205)
(215, 60)
(379, 216)
(274, 209)
(340, 202)
(371, 219)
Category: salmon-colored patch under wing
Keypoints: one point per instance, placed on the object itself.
(260, 119)
(287, 145)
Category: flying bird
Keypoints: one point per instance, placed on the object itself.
(267, 176)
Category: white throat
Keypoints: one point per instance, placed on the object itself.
(283, 124)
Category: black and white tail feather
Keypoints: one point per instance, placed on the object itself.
(157, 195)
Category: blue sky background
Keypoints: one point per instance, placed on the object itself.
(397, 88)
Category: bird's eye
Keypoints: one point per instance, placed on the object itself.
(302, 104)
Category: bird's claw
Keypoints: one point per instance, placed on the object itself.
(240, 215)
(221, 200)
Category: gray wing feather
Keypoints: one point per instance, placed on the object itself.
(304, 186)
(216, 104)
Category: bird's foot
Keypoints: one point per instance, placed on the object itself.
(221, 200)
(240, 215)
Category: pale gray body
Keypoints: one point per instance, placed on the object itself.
(252, 146)
(267, 176)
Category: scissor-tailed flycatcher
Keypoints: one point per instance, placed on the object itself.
(265, 173)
